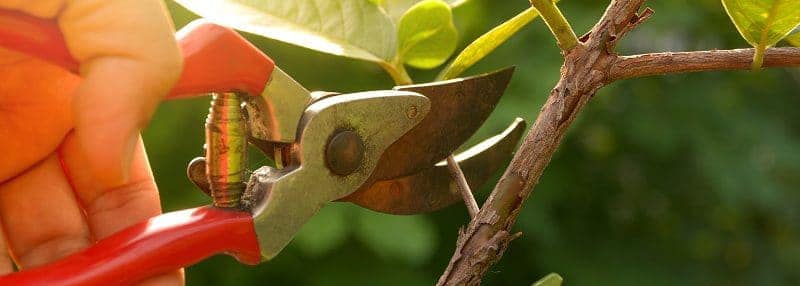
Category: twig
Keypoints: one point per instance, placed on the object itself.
(557, 24)
(684, 62)
(462, 186)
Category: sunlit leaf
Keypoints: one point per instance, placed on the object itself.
(396, 8)
(351, 28)
(762, 23)
(426, 34)
(552, 279)
(486, 43)
(411, 239)
(794, 39)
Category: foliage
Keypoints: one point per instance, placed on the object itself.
(552, 279)
(485, 44)
(426, 34)
(794, 39)
(679, 180)
(396, 8)
(763, 23)
(350, 28)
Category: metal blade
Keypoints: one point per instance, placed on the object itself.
(458, 108)
(432, 189)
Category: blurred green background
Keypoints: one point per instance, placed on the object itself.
(675, 180)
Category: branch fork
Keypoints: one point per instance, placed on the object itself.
(588, 65)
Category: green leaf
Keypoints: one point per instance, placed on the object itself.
(426, 34)
(794, 39)
(762, 23)
(351, 28)
(396, 8)
(552, 279)
(406, 238)
(486, 43)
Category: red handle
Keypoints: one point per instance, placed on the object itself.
(35, 36)
(216, 59)
(160, 244)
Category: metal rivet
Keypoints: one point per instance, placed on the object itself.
(412, 112)
(344, 153)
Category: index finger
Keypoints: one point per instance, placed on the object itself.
(129, 61)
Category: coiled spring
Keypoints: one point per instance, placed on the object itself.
(226, 150)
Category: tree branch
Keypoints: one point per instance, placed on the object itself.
(589, 66)
(684, 62)
(585, 68)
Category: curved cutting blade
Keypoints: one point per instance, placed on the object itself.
(458, 108)
(432, 189)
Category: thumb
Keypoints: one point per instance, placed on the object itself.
(129, 61)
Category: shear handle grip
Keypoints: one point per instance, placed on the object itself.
(160, 244)
(215, 58)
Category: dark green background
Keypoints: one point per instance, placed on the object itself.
(675, 180)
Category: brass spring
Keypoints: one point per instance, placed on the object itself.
(226, 150)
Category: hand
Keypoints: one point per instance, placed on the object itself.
(73, 168)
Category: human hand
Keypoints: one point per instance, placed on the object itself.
(74, 168)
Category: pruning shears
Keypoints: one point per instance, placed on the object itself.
(382, 150)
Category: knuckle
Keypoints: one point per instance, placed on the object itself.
(116, 200)
(51, 248)
(171, 63)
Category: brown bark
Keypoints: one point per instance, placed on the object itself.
(682, 62)
(585, 70)
(587, 67)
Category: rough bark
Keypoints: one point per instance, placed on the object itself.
(585, 70)
(588, 66)
(683, 62)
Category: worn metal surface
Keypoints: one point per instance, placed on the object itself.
(274, 114)
(196, 171)
(257, 126)
(226, 150)
(458, 108)
(283, 200)
(433, 189)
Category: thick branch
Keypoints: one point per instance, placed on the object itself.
(684, 62)
(585, 69)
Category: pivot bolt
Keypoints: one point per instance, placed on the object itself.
(344, 153)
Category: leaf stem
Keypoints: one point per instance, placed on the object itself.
(758, 56)
(398, 72)
(557, 24)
